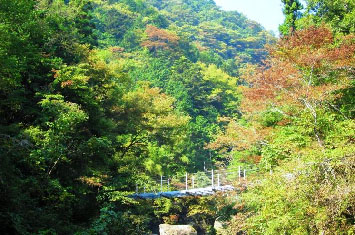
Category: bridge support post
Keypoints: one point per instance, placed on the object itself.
(161, 183)
(212, 179)
(245, 174)
(168, 184)
(186, 181)
(239, 172)
(218, 183)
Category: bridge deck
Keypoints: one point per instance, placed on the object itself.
(184, 193)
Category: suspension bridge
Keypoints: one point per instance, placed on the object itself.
(203, 183)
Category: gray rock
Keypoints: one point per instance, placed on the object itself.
(289, 176)
(167, 229)
(219, 226)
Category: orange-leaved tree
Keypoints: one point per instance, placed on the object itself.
(159, 38)
(305, 71)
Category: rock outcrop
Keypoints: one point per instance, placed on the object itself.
(219, 226)
(167, 229)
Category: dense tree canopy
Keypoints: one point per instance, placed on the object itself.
(291, 12)
(98, 96)
(297, 129)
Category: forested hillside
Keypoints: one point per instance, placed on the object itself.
(99, 95)
(298, 126)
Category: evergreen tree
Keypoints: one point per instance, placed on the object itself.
(291, 11)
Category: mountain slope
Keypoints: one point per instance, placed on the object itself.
(97, 96)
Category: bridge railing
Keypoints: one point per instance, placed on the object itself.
(209, 178)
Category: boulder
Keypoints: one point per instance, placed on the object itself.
(219, 226)
(167, 229)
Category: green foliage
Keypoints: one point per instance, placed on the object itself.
(112, 221)
(291, 12)
(293, 199)
(339, 14)
(97, 96)
(271, 118)
(309, 148)
(202, 180)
